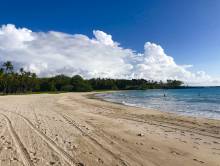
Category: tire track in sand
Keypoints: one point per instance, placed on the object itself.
(20, 147)
(1, 136)
(73, 123)
(51, 143)
(3, 131)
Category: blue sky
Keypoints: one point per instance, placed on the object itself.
(189, 31)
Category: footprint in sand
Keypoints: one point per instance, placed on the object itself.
(207, 143)
(124, 140)
(196, 143)
(199, 161)
(33, 153)
(197, 139)
(182, 141)
(195, 147)
(79, 164)
(52, 163)
(153, 148)
(215, 142)
(175, 153)
(139, 143)
(100, 161)
(7, 142)
(14, 159)
(35, 160)
(8, 147)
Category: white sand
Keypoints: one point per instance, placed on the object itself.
(70, 129)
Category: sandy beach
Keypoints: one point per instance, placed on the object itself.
(76, 129)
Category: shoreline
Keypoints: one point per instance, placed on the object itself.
(153, 110)
(93, 96)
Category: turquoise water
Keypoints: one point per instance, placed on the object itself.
(201, 102)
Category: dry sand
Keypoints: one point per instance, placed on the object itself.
(70, 129)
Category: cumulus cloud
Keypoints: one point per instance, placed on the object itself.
(51, 53)
(104, 38)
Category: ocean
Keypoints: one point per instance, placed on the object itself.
(198, 102)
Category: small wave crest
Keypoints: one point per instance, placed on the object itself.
(184, 101)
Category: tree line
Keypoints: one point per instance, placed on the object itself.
(12, 82)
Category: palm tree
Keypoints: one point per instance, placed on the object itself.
(1, 71)
(8, 67)
(1, 79)
(21, 70)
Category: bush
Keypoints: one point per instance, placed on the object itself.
(80, 85)
(67, 88)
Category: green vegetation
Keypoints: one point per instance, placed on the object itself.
(12, 82)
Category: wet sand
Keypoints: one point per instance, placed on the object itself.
(75, 129)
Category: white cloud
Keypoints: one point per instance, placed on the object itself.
(50, 53)
(104, 38)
